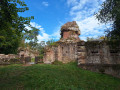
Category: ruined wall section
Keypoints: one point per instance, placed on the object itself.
(9, 59)
(50, 55)
(100, 56)
(27, 52)
(102, 53)
(67, 52)
(64, 52)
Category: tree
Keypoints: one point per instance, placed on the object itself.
(12, 25)
(41, 48)
(51, 42)
(110, 12)
(32, 35)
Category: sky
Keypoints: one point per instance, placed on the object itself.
(50, 15)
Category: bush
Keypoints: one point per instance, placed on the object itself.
(33, 60)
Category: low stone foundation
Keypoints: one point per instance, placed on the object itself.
(14, 59)
(9, 59)
(111, 69)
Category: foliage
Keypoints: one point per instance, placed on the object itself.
(32, 35)
(40, 47)
(97, 38)
(51, 43)
(12, 25)
(90, 39)
(110, 13)
(102, 37)
(54, 77)
(41, 54)
(33, 60)
(114, 44)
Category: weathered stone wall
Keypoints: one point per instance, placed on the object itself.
(70, 35)
(67, 52)
(50, 54)
(102, 53)
(27, 52)
(100, 57)
(83, 52)
(64, 52)
(14, 59)
(66, 34)
(8, 59)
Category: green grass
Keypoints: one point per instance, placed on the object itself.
(33, 60)
(54, 77)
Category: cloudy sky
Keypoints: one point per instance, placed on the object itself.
(50, 15)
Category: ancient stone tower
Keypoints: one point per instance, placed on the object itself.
(66, 49)
(70, 32)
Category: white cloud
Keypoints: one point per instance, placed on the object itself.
(90, 28)
(34, 25)
(45, 4)
(56, 35)
(43, 36)
(83, 11)
(71, 2)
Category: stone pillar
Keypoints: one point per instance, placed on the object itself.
(81, 53)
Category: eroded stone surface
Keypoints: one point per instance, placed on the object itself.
(70, 32)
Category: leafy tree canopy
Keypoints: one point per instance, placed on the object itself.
(110, 12)
(51, 42)
(12, 25)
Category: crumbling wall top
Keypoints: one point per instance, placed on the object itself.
(70, 26)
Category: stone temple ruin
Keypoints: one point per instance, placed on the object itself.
(66, 48)
(99, 55)
(69, 47)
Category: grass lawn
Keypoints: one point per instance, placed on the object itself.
(54, 77)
